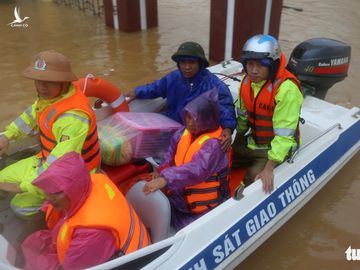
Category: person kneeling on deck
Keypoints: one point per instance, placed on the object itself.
(195, 170)
(89, 219)
(64, 121)
(268, 110)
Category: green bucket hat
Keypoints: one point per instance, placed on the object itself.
(190, 49)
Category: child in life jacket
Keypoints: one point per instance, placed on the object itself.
(195, 170)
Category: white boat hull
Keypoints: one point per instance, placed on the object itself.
(228, 234)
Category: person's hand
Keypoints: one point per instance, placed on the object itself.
(130, 95)
(225, 139)
(4, 144)
(11, 187)
(267, 176)
(155, 175)
(154, 185)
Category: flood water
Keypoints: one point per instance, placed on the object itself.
(318, 236)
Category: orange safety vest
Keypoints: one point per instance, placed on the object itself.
(105, 208)
(207, 194)
(78, 101)
(260, 109)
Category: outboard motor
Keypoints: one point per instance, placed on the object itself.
(319, 63)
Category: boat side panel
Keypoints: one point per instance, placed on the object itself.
(235, 237)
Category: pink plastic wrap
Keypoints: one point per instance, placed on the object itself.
(126, 136)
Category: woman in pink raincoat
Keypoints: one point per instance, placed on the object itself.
(88, 218)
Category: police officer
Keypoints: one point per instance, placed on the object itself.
(268, 111)
(63, 120)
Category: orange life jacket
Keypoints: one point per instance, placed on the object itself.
(260, 109)
(207, 194)
(105, 208)
(78, 101)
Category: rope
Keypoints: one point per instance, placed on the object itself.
(88, 76)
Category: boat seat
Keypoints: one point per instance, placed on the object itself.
(153, 209)
(7, 254)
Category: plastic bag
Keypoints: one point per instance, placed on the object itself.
(114, 141)
(127, 136)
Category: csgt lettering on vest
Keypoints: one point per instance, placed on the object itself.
(266, 107)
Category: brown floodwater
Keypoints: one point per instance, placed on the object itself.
(317, 236)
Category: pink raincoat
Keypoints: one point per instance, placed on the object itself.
(88, 246)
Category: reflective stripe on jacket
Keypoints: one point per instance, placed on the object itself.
(105, 208)
(260, 109)
(207, 194)
(91, 149)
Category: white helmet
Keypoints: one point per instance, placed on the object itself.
(261, 46)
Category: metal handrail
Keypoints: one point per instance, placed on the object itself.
(337, 125)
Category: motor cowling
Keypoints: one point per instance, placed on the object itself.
(319, 63)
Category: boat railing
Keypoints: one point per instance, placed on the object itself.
(337, 125)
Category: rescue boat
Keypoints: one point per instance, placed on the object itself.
(226, 235)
